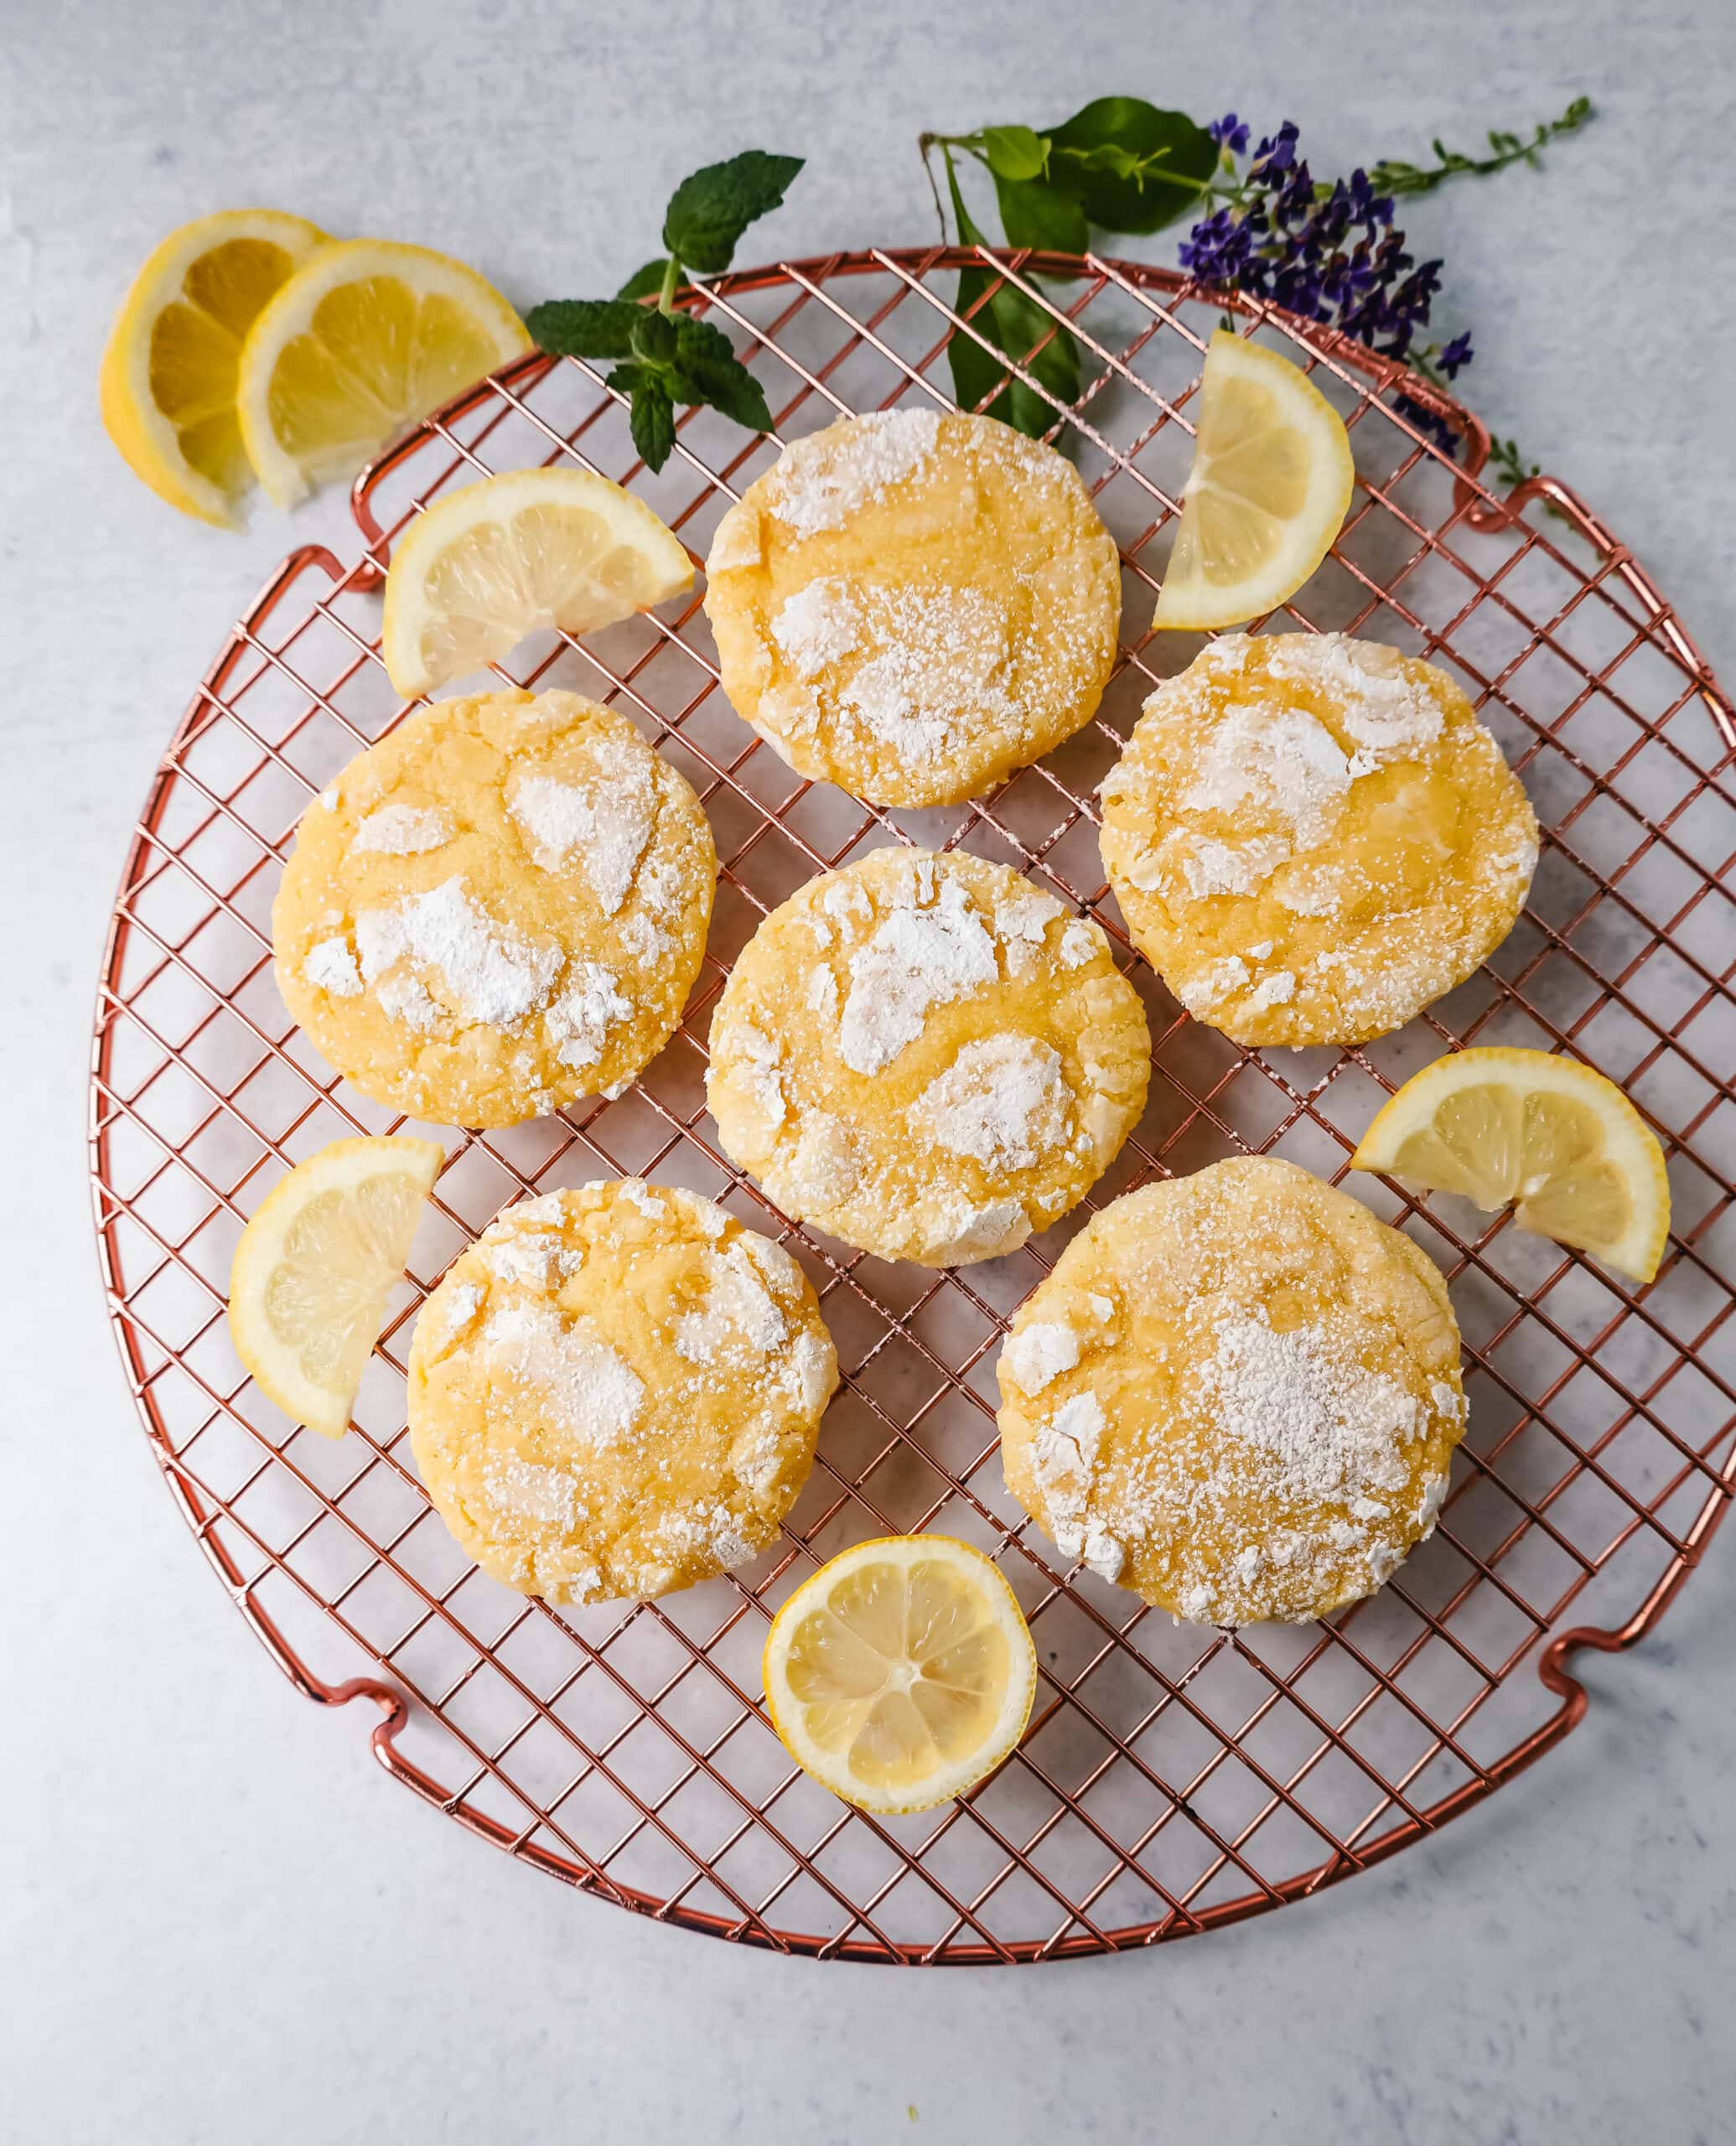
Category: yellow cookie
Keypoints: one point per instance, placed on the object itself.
(912, 605)
(498, 907)
(1238, 1394)
(1313, 838)
(927, 1056)
(616, 1391)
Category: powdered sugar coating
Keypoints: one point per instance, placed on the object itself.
(331, 966)
(1272, 1409)
(913, 605)
(926, 1056)
(823, 480)
(616, 1390)
(503, 909)
(1330, 802)
(404, 830)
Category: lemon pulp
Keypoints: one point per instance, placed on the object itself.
(516, 554)
(1553, 1138)
(1268, 490)
(364, 338)
(172, 365)
(315, 1266)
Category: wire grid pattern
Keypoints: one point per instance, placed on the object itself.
(1171, 1778)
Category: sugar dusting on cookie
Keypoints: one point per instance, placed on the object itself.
(933, 666)
(822, 481)
(917, 959)
(404, 830)
(1003, 1100)
(602, 825)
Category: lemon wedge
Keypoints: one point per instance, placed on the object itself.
(902, 1673)
(1560, 1142)
(315, 1267)
(364, 338)
(1268, 490)
(514, 555)
(168, 380)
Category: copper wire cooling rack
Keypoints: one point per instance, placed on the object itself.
(1171, 1778)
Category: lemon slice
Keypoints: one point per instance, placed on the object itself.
(365, 338)
(902, 1673)
(315, 1267)
(512, 556)
(169, 368)
(1560, 1142)
(1268, 490)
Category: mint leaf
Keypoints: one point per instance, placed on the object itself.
(1131, 167)
(654, 337)
(706, 359)
(1014, 152)
(651, 418)
(1041, 215)
(1013, 323)
(710, 209)
(644, 283)
(584, 328)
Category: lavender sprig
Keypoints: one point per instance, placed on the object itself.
(1331, 252)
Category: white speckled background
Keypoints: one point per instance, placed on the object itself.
(222, 1923)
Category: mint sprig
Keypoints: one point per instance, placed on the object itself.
(667, 359)
(1119, 163)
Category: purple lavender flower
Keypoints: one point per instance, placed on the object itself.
(1330, 253)
(1230, 133)
(1457, 354)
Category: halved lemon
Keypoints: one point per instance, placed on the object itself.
(902, 1673)
(364, 338)
(170, 366)
(1560, 1142)
(1268, 490)
(514, 555)
(315, 1267)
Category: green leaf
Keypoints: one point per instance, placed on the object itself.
(1015, 324)
(645, 283)
(968, 234)
(1014, 152)
(710, 209)
(654, 337)
(584, 328)
(1036, 215)
(651, 419)
(1130, 166)
(705, 359)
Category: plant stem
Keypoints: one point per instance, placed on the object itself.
(672, 280)
(924, 143)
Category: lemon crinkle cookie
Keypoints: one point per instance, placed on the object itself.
(927, 1057)
(1313, 838)
(616, 1390)
(498, 907)
(913, 605)
(1237, 1394)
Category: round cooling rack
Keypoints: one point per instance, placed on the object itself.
(1172, 1778)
